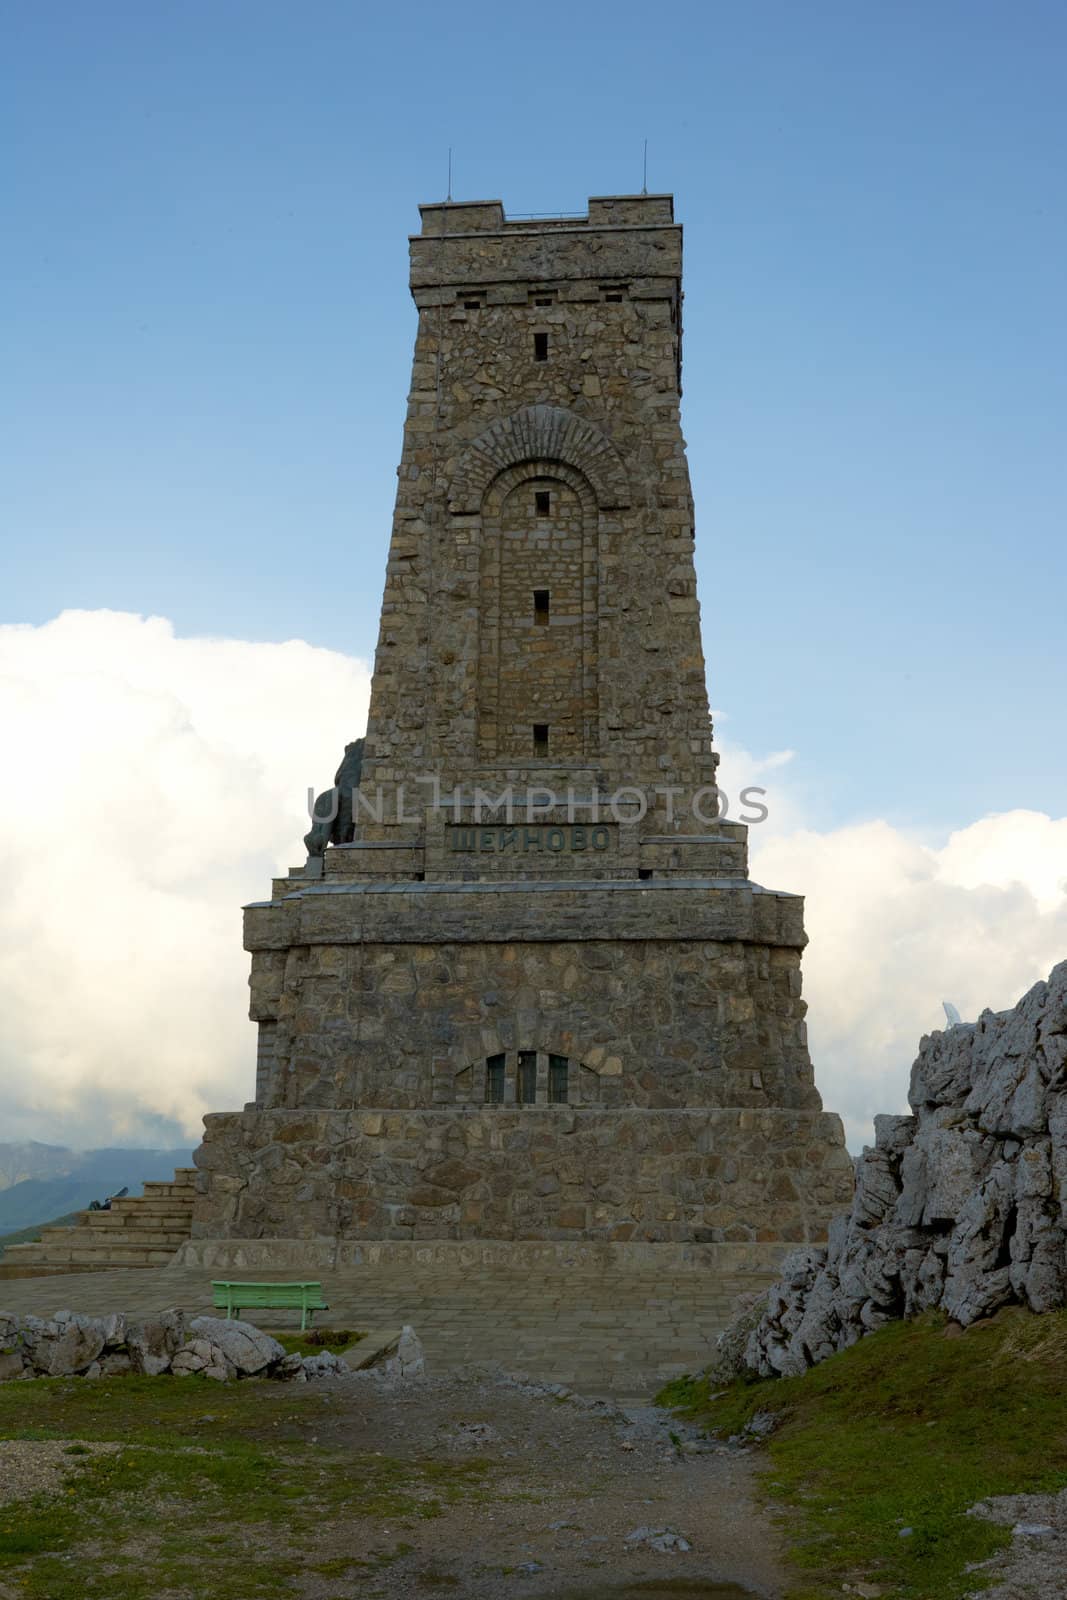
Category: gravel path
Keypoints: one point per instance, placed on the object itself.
(31, 1466)
(596, 1500)
(585, 1499)
(1034, 1566)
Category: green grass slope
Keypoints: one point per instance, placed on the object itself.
(905, 1430)
(215, 1490)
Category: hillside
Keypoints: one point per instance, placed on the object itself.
(879, 1453)
(48, 1181)
(30, 1235)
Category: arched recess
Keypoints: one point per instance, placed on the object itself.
(545, 433)
(531, 1075)
(539, 581)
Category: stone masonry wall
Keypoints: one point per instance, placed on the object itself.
(522, 1173)
(544, 349)
(653, 1023)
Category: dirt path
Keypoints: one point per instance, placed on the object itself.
(571, 1484)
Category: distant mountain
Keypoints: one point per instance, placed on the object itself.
(47, 1181)
(32, 1160)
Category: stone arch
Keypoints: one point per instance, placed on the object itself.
(501, 484)
(545, 433)
(461, 1079)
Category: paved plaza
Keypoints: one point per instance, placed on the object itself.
(618, 1333)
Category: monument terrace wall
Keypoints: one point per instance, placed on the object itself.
(670, 995)
(725, 1176)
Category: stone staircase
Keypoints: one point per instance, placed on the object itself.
(142, 1232)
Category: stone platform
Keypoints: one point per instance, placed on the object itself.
(608, 1322)
(702, 1175)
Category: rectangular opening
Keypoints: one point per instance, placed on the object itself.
(472, 299)
(541, 607)
(540, 346)
(543, 502)
(558, 1072)
(527, 1084)
(614, 293)
(542, 297)
(644, 872)
(494, 1081)
(540, 738)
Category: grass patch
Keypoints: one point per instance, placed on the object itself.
(315, 1340)
(217, 1490)
(907, 1429)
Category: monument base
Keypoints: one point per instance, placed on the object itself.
(527, 1256)
(692, 1176)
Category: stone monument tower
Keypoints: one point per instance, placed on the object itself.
(530, 992)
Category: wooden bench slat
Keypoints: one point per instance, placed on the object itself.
(305, 1297)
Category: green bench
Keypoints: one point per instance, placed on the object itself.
(303, 1297)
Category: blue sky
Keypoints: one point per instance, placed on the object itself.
(209, 334)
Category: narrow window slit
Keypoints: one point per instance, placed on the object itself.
(540, 738)
(558, 1072)
(494, 1081)
(541, 607)
(540, 346)
(543, 502)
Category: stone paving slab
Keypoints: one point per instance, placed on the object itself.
(605, 1333)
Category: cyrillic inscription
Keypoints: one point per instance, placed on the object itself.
(571, 839)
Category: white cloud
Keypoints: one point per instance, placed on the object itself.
(897, 926)
(1011, 847)
(154, 784)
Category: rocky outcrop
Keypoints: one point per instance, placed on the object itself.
(246, 1348)
(70, 1345)
(962, 1205)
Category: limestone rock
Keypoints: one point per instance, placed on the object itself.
(203, 1357)
(116, 1365)
(152, 1345)
(289, 1368)
(110, 1347)
(246, 1348)
(324, 1364)
(63, 1344)
(12, 1364)
(962, 1205)
(664, 1541)
(410, 1357)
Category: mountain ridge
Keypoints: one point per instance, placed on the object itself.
(39, 1182)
